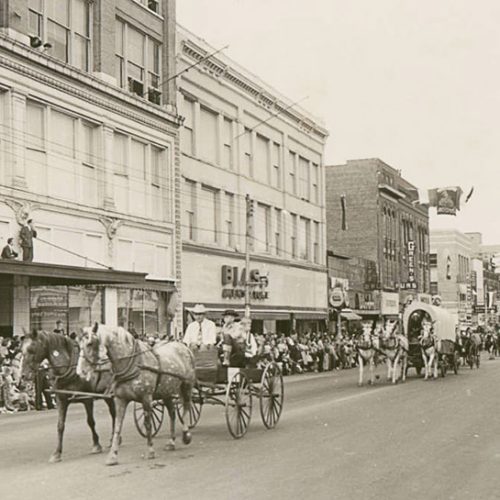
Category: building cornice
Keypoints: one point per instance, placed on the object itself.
(204, 249)
(58, 75)
(214, 66)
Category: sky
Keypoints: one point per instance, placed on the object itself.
(415, 83)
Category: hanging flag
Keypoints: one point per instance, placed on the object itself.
(467, 198)
(446, 200)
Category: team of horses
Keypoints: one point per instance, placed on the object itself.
(110, 362)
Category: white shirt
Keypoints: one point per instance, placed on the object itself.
(208, 333)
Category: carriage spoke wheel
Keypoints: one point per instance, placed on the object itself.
(194, 411)
(157, 412)
(238, 405)
(271, 395)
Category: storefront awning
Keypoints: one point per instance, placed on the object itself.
(53, 274)
(350, 316)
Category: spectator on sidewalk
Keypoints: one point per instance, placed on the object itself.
(8, 252)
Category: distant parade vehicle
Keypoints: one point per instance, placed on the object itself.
(432, 336)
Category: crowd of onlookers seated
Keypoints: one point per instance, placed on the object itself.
(15, 395)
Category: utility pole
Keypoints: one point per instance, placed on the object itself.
(248, 247)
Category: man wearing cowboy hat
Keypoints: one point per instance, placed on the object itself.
(201, 332)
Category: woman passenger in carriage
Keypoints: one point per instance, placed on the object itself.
(240, 346)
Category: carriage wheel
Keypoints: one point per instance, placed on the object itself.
(194, 411)
(238, 405)
(157, 411)
(271, 395)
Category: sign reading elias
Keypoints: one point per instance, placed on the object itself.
(233, 282)
(411, 283)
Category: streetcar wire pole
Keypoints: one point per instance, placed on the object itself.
(248, 246)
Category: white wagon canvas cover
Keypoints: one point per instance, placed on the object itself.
(444, 322)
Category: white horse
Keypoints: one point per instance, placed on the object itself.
(367, 347)
(430, 355)
(394, 346)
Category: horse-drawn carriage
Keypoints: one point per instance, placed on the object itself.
(233, 388)
(431, 333)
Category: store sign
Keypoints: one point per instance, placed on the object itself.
(389, 303)
(337, 298)
(411, 284)
(342, 283)
(233, 283)
(424, 297)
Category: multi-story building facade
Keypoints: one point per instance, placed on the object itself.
(373, 214)
(463, 275)
(240, 137)
(451, 260)
(89, 151)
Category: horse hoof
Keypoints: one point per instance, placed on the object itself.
(55, 458)
(186, 437)
(112, 460)
(170, 447)
(96, 449)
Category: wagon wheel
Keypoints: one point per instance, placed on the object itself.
(195, 410)
(271, 395)
(238, 405)
(157, 411)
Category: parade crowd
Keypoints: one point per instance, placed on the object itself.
(296, 353)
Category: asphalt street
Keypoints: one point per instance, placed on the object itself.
(418, 440)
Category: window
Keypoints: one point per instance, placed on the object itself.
(138, 62)
(227, 153)
(229, 219)
(262, 228)
(137, 177)
(65, 24)
(434, 288)
(292, 178)
(208, 216)
(120, 174)
(304, 238)
(35, 126)
(276, 164)
(153, 5)
(293, 236)
(315, 183)
(247, 153)
(89, 178)
(261, 166)
(208, 131)
(156, 192)
(188, 227)
(277, 231)
(63, 126)
(316, 240)
(187, 132)
(304, 178)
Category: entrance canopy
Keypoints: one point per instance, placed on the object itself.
(444, 322)
(53, 274)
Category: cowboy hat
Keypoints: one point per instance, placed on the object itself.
(230, 312)
(199, 309)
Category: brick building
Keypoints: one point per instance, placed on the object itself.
(372, 214)
(232, 145)
(89, 150)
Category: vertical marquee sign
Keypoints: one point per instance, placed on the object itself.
(411, 283)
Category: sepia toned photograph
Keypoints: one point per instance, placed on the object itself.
(249, 249)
